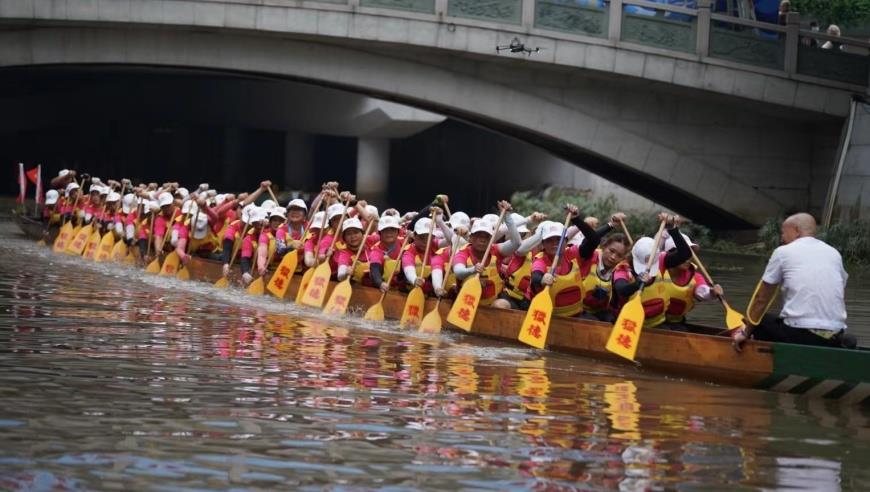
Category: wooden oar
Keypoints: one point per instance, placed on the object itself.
(416, 300)
(625, 334)
(432, 321)
(306, 277)
(95, 238)
(80, 239)
(733, 319)
(315, 291)
(280, 280)
(272, 194)
(258, 286)
(340, 297)
(464, 310)
(183, 272)
(376, 311)
(154, 266)
(625, 231)
(223, 282)
(66, 233)
(106, 246)
(536, 324)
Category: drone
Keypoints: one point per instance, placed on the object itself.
(517, 47)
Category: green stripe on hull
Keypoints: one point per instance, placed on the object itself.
(821, 362)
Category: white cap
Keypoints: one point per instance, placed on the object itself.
(640, 254)
(51, 197)
(95, 187)
(459, 219)
(388, 222)
(297, 203)
(113, 197)
(351, 223)
(201, 227)
(183, 192)
(95, 180)
(334, 210)
(491, 218)
(551, 229)
(318, 221)
(482, 226)
(257, 214)
(268, 205)
(278, 212)
(372, 210)
(246, 212)
(219, 199)
(104, 190)
(164, 199)
(203, 187)
(577, 239)
(186, 207)
(422, 226)
(211, 193)
(62, 173)
(151, 205)
(128, 202)
(71, 186)
(669, 243)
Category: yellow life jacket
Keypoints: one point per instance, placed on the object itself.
(655, 302)
(568, 289)
(681, 298)
(418, 260)
(490, 272)
(597, 291)
(518, 282)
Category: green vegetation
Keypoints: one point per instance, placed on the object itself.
(851, 239)
(840, 12)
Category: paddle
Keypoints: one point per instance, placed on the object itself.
(223, 282)
(464, 310)
(80, 239)
(376, 311)
(66, 233)
(257, 286)
(625, 334)
(315, 291)
(107, 244)
(280, 280)
(432, 321)
(416, 300)
(306, 277)
(340, 297)
(536, 324)
(733, 319)
(154, 266)
(625, 231)
(95, 238)
(183, 272)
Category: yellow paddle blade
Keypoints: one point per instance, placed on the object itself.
(315, 291)
(431, 322)
(257, 287)
(413, 310)
(130, 259)
(170, 264)
(536, 324)
(93, 244)
(281, 279)
(79, 241)
(375, 312)
(733, 319)
(63, 238)
(339, 299)
(625, 334)
(104, 250)
(222, 283)
(183, 273)
(464, 309)
(153, 267)
(306, 279)
(119, 251)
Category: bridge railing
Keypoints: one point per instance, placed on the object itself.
(646, 25)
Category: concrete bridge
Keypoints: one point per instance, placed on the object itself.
(726, 120)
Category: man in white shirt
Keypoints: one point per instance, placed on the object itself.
(812, 279)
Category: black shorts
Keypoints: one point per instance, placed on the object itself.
(515, 303)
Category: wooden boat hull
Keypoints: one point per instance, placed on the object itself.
(34, 229)
(819, 371)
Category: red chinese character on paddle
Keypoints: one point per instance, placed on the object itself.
(535, 331)
(629, 326)
(314, 293)
(414, 311)
(468, 300)
(465, 314)
(342, 300)
(170, 268)
(279, 282)
(283, 271)
(624, 340)
(539, 316)
(319, 281)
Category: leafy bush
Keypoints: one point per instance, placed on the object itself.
(851, 239)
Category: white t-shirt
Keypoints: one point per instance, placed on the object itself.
(813, 284)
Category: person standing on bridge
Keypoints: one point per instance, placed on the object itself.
(811, 276)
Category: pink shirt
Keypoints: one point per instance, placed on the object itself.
(411, 255)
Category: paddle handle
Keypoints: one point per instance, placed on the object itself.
(447, 209)
(190, 231)
(492, 238)
(654, 255)
(361, 246)
(272, 194)
(428, 247)
(237, 245)
(625, 231)
(561, 242)
(151, 235)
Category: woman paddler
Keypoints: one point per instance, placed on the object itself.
(412, 260)
(50, 214)
(385, 251)
(72, 204)
(318, 222)
(517, 270)
(598, 272)
(686, 286)
(627, 278)
(295, 227)
(162, 223)
(251, 242)
(566, 288)
(268, 240)
(469, 258)
(353, 237)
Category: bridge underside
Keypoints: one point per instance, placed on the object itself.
(724, 162)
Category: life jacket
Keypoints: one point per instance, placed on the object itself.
(517, 281)
(567, 289)
(450, 278)
(681, 298)
(494, 285)
(655, 298)
(598, 291)
(418, 260)
(391, 263)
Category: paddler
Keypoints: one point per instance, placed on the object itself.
(566, 288)
(50, 213)
(353, 237)
(387, 249)
(268, 241)
(811, 276)
(309, 247)
(469, 258)
(517, 270)
(250, 243)
(412, 260)
(163, 220)
(130, 212)
(72, 203)
(628, 277)
(598, 272)
(295, 226)
(63, 178)
(686, 286)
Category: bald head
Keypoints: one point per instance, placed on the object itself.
(798, 226)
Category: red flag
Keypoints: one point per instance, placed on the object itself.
(37, 171)
(22, 183)
(33, 175)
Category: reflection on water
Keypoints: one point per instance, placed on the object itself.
(109, 380)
